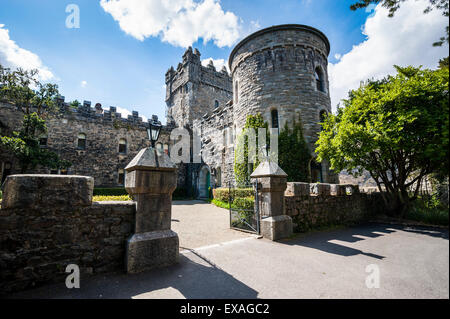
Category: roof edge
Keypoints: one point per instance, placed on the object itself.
(276, 28)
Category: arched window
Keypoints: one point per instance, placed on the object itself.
(319, 80)
(81, 141)
(322, 116)
(275, 123)
(216, 104)
(123, 146)
(236, 91)
(121, 178)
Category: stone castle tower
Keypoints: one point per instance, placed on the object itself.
(281, 72)
(193, 90)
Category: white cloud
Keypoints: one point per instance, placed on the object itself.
(218, 63)
(337, 56)
(403, 40)
(125, 112)
(83, 84)
(13, 56)
(178, 22)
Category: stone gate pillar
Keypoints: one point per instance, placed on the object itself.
(151, 179)
(272, 182)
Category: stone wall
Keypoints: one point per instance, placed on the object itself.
(104, 129)
(44, 229)
(312, 206)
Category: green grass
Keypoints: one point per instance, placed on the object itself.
(433, 216)
(219, 203)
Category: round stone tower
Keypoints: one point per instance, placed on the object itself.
(281, 72)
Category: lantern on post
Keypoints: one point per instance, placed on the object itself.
(154, 130)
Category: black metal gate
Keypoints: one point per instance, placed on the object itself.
(244, 208)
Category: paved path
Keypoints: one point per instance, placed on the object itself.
(198, 224)
(413, 263)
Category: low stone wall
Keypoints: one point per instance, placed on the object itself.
(317, 205)
(41, 233)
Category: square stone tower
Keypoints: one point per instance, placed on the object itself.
(193, 90)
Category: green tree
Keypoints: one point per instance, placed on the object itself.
(397, 129)
(23, 89)
(244, 168)
(293, 153)
(394, 5)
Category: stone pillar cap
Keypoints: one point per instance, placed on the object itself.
(148, 159)
(268, 169)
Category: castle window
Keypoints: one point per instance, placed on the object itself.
(121, 179)
(322, 117)
(166, 149)
(123, 146)
(236, 91)
(186, 88)
(218, 177)
(81, 141)
(216, 104)
(319, 80)
(43, 141)
(275, 123)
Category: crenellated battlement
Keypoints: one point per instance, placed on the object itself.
(85, 112)
(193, 89)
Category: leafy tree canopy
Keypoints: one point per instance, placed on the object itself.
(397, 129)
(37, 100)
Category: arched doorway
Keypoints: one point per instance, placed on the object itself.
(316, 172)
(204, 182)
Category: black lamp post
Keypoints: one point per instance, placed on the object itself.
(154, 130)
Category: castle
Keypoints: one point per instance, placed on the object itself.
(279, 72)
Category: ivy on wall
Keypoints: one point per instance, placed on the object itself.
(243, 170)
(293, 153)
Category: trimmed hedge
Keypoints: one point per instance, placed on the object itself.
(244, 202)
(223, 194)
(110, 191)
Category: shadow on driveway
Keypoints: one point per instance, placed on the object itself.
(195, 277)
(322, 240)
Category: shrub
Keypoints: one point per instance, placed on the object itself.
(110, 192)
(223, 194)
(244, 203)
(100, 198)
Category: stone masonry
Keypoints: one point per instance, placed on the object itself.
(48, 222)
(281, 69)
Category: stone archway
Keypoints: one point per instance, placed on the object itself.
(204, 182)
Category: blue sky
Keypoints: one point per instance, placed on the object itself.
(122, 63)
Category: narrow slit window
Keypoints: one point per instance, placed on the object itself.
(81, 141)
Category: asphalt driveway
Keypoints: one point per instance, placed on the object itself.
(413, 262)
